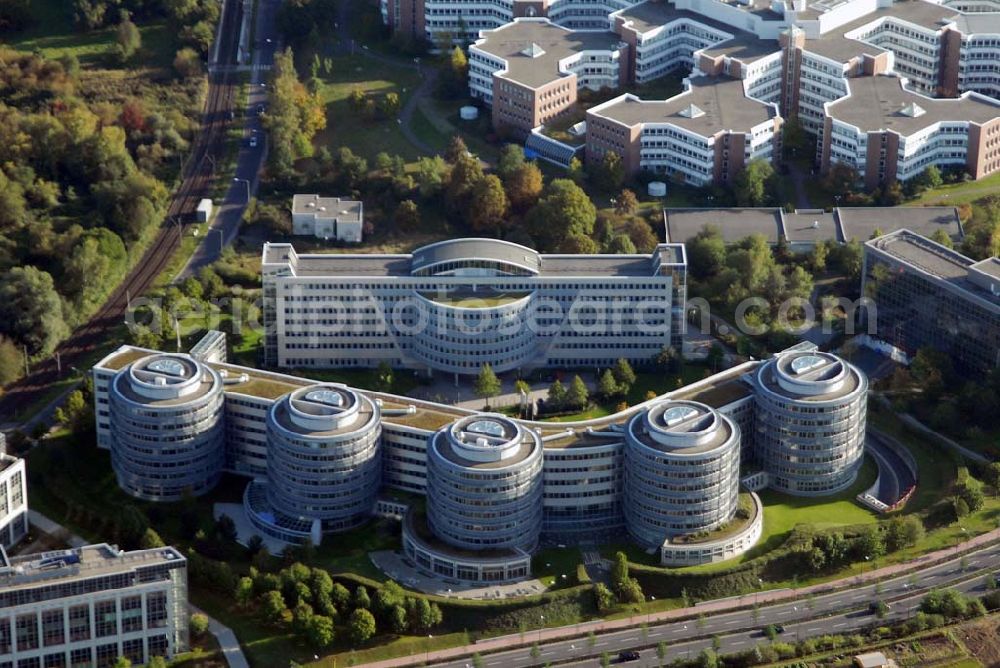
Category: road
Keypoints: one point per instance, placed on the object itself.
(198, 175)
(837, 612)
(244, 183)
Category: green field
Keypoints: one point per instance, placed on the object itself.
(959, 193)
(347, 127)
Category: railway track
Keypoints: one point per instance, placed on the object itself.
(195, 183)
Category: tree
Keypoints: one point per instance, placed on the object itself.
(869, 543)
(244, 592)
(150, 539)
(458, 65)
(603, 597)
(942, 237)
(620, 244)
(751, 185)
(187, 63)
(122, 662)
(466, 172)
(624, 374)
(273, 608)
(607, 386)
(487, 384)
(128, 39)
(198, 624)
(156, 662)
(510, 161)
(456, 149)
(577, 396)
(488, 205)
(388, 106)
(301, 614)
(610, 173)
(706, 252)
(902, 532)
(31, 311)
(841, 178)
(641, 235)
(626, 203)
(398, 620)
(407, 215)
(556, 397)
(11, 361)
(970, 492)
(524, 186)
(575, 172)
(361, 626)
(430, 175)
(294, 115)
(563, 210)
(715, 356)
(319, 631)
(931, 177)
(992, 476)
(384, 377)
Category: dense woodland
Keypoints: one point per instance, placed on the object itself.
(89, 147)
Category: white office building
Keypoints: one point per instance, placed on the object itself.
(13, 501)
(88, 606)
(457, 305)
(328, 218)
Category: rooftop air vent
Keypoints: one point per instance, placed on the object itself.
(691, 111)
(913, 110)
(533, 51)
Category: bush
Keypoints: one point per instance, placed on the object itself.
(198, 624)
(582, 577)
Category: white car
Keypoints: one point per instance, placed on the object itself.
(253, 141)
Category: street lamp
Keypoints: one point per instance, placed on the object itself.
(649, 612)
(247, 183)
(542, 620)
(427, 657)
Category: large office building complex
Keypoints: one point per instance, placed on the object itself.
(455, 306)
(927, 295)
(666, 471)
(90, 605)
(888, 88)
(13, 500)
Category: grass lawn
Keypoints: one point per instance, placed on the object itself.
(346, 127)
(365, 379)
(551, 564)
(958, 193)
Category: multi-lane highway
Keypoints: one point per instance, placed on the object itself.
(834, 613)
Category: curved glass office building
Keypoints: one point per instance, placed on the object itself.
(166, 414)
(682, 468)
(484, 484)
(323, 459)
(810, 422)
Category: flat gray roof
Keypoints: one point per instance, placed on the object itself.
(32, 570)
(810, 225)
(861, 222)
(735, 224)
(934, 259)
(344, 210)
(719, 103)
(882, 103)
(549, 43)
(335, 264)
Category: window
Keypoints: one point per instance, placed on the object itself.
(156, 610)
(52, 628)
(131, 614)
(79, 623)
(105, 619)
(27, 632)
(81, 658)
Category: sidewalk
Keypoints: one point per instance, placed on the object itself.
(722, 605)
(228, 643)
